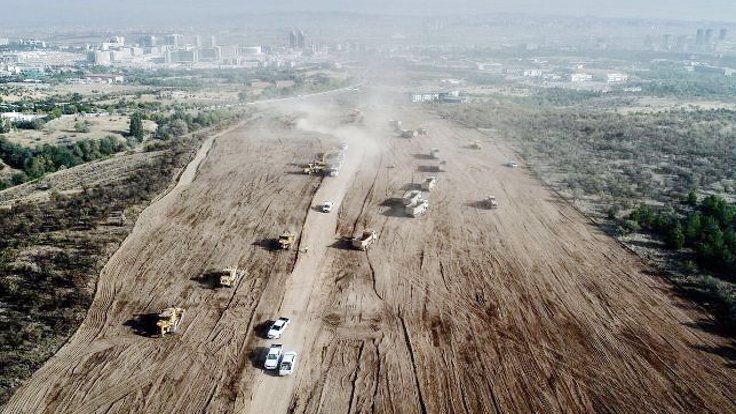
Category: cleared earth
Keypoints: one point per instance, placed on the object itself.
(527, 308)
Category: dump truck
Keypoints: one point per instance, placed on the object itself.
(411, 197)
(365, 239)
(429, 184)
(476, 145)
(286, 240)
(169, 320)
(396, 125)
(230, 276)
(417, 209)
(434, 153)
(442, 166)
(354, 117)
(490, 202)
(408, 133)
(422, 132)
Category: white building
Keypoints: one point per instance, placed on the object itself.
(581, 77)
(617, 77)
(532, 73)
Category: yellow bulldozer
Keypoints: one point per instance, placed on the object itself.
(230, 276)
(169, 320)
(286, 240)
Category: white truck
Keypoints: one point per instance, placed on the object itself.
(411, 197)
(490, 202)
(288, 364)
(277, 328)
(429, 184)
(273, 357)
(326, 207)
(417, 209)
(434, 153)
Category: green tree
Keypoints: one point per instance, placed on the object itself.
(692, 198)
(136, 126)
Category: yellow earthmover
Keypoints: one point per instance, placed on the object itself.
(169, 320)
(230, 276)
(286, 240)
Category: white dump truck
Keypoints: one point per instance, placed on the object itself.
(429, 184)
(434, 153)
(417, 209)
(364, 240)
(490, 202)
(411, 197)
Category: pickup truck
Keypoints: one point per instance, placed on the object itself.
(277, 328)
(273, 357)
(288, 363)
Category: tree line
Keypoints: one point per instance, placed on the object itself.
(35, 162)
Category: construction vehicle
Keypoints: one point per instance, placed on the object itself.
(411, 197)
(422, 132)
(288, 363)
(286, 240)
(476, 145)
(429, 183)
(326, 207)
(169, 320)
(230, 276)
(490, 202)
(273, 357)
(367, 238)
(512, 164)
(417, 209)
(314, 168)
(396, 125)
(434, 153)
(408, 133)
(354, 117)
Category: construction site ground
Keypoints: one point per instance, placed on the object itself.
(525, 308)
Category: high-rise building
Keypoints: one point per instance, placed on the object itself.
(301, 40)
(723, 35)
(699, 37)
(198, 41)
(175, 40)
(667, 42)
(293, 41)
(148, 41)
(213, 41)
(709, 37)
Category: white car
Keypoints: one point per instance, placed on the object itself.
(277, 328)
(288, 363)
(512, 164)
(326, 207)
(273, 357)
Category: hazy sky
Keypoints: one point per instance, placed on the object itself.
(78, 11)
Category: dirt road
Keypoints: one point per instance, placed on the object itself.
(527, 308)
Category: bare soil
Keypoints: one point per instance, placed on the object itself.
(526, 308)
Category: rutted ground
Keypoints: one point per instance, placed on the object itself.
(527, 308)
